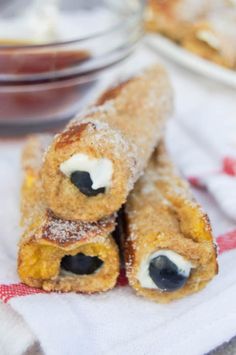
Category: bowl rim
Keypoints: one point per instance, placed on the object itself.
(98, 34)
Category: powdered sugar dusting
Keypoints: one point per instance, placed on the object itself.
(91, 110)
(121, 146)
(162, 171)
(51, 227)
(66, 232)
(129, 125)
(160, 186)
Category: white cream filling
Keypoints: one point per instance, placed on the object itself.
(100, 170)
(143, 276)
(208, 37)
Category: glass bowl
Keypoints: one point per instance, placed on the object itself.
(52, 59)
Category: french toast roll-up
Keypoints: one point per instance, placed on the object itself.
(62, 255)
(214, 38)
(174, 18)
(169, 249)
(91, 166)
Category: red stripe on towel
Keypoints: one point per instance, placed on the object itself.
(229, 166)
(196, 182)
(15, 290)
(226, 241)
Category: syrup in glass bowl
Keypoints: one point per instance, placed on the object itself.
(47, 75)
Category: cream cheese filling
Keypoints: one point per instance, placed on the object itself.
(100, 170)
(183, 265)
(209, 38)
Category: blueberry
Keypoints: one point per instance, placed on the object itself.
(165, 274)
(81, 264)
(83, 181)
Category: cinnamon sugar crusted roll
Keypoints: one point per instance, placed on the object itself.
(206, 28)
(174, 18)
(169, 248)
(214, 38)
(61, 255)
(91, 166)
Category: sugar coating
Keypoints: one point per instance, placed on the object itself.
(160, 182)
(163, 215)
(64, 232)
(53, 228)
(121, 147)
(105, 108)
(47, 238)
(206, 28)
(125, 129)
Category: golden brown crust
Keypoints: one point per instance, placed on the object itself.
(112, 92)
(182, 20)
(66, 233)
(47, 239)
(70, 136)
(223, 53)
(64, 198)
(161, 214)
(124, 130)
(39, 265)
(168, 17)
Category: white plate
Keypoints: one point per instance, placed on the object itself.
(191, 61)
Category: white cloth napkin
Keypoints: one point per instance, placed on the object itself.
(207, 152)
(119, 322)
